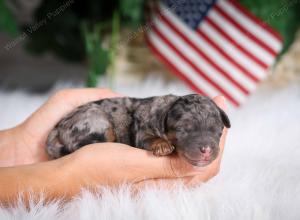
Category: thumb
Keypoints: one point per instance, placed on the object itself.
(221, 102)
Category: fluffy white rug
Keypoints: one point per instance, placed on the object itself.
(259, 178)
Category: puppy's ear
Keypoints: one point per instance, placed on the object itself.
(224, 118)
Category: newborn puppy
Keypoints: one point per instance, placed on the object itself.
(191, 125)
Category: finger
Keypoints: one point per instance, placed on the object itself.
(67, 100)
(43, 120)
(220, 101)
(166, 183)
(214, 167)
(171, 183)
(77, 97)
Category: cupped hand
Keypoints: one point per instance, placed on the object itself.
(113, 164)
(30, 136)
(106, 163)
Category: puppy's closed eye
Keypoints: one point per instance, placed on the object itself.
(179, 129)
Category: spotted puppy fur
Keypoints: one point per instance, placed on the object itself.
(191, 125)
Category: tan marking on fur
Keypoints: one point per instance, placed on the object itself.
(110, 135)
(161, 147)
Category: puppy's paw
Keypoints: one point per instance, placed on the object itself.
(162, 148)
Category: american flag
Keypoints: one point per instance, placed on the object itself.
(216, 47)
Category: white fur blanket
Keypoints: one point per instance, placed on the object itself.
(259, 177)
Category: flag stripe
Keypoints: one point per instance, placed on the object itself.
(246, 31)
(236, 44)
(173, 67)
(229, 52)
(200, 46)
(275, 38)
(189, 55)
(173, 59)
(240, 37)
(193, 66)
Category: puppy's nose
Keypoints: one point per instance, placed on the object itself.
(206, 150)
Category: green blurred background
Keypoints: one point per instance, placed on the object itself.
(88, 32)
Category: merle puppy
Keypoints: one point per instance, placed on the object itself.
(191, 125)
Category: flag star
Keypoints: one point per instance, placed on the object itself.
(203, 8)
(197, 16)
(190, 11)
(208, 1)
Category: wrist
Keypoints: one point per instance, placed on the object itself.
(7, 147)
(18, 148)
(64, 176)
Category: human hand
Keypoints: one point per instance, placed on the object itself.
(113, 164)
(106, 164)
(29, 138)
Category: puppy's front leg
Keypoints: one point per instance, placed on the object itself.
(159, 146)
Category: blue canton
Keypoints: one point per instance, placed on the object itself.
(190, 12)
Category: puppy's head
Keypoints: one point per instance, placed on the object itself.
(194, 125)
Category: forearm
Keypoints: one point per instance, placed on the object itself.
(52, 179)
(103, 165)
